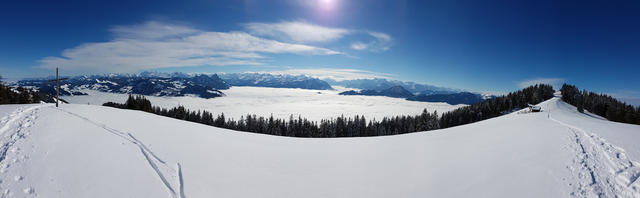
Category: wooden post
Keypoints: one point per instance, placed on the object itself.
(57, 88)
(57, 80)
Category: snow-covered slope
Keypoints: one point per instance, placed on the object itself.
(92, 151)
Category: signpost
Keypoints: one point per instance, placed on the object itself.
(57, 80)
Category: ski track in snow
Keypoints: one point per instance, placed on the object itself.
(180, 181)
(601, 169)
(159, 166)
(14, 128)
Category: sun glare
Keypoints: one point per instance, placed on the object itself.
(327, 5)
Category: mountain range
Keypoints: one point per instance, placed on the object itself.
(211, 85)
(400, 92)
(395, 92)
(276, 81)
(173, 84)
(452, 98)
(146, 83)
(380, 84)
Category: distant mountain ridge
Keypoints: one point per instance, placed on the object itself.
(380, 84)
(172, 84)
(409, 90)
(210, 85)
(276, 81)
(146, 83)
(395, 92)
(454, 98)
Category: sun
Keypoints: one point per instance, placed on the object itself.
(327, 5)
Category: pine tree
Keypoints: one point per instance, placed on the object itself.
(130, 104)
(638, 115)
(580, 103)
(220, 121)
(3, 93)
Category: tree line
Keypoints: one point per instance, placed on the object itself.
(137, 102)
(18, 95)
(600, 104)
(497, 106)
(356, 126)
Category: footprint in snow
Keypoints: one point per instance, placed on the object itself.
(29, 190)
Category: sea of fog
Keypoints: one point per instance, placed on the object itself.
(281, 103)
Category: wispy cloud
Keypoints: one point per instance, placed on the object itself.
(334, 74)
(359, 46)
(380, 36)
(158, 45)
(152, 30)
(551, 81)
(303, 32)
(380, 42)
(297, 31)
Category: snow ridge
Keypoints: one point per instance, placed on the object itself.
(159, 166)
(601, 169)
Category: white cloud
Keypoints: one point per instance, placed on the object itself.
(334, 74)
(157, 45)
(380, 36)
(381, 42)
(358, 46)
(152, 30)
(550, 81)
(297, 31)
(303, 32)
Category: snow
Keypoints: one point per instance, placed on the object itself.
(65, 87)
(126, 89)
(281, 102)
(94, 151)
(178, 85)
(105, 82)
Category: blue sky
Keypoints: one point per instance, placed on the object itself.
(483, 46)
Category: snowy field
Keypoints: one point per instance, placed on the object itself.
(94, 151)
(282, 102)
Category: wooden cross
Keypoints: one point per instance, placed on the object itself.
(57, 80)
